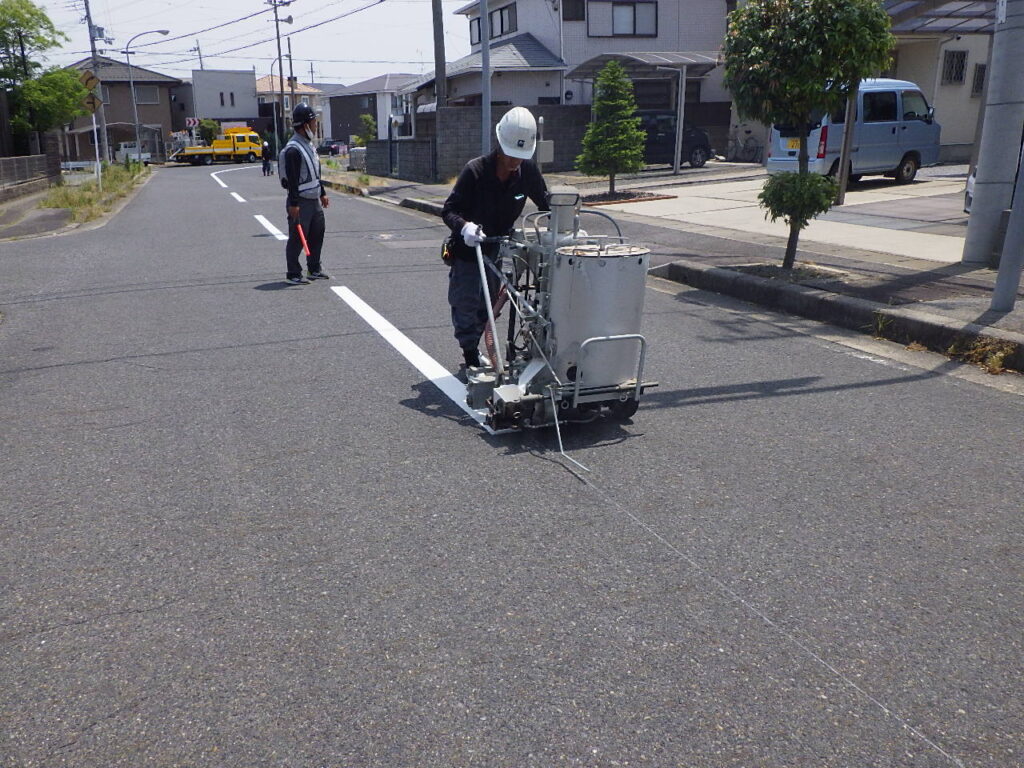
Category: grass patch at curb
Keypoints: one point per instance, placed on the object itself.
(990, 354)
(87, 202)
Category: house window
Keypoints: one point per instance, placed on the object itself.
(104, 94)
(574, 10)
(147, 94)
(628, 18)
(954, 67)
(978, 83)
(222, 98)
(232, 98)
(503, 22)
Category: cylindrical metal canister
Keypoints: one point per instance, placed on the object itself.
(596, 291)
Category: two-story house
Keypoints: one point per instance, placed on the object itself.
(152, 98)
(540, 50)
(268, 96)
(378, 97)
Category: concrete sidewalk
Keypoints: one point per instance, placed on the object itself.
(886, 263)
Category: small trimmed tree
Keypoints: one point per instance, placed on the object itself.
(369, 131)
(208, 130)
(614, 142)
(786, 60)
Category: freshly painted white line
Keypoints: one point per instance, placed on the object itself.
(423, 362)
(217, 179)
(238, 197)
(271, 228)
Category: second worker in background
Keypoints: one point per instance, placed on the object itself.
(299, 170)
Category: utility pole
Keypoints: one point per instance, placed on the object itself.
(440, 75)
(200, 52)
(485, 76)
(94, 66)
(291, 72)
(280, 66)
(1000, 136)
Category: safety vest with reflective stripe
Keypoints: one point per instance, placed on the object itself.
(309, 176)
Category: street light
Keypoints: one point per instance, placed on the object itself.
(277, 29)
(131, 86)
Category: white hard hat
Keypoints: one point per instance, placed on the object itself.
(517, 133)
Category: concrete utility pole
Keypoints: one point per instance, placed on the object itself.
(94, 66)
(291, 72)
(280, 66)
(199, 51)
(1000, 137)
(485, 76)
(440, 72)
(1008, 280)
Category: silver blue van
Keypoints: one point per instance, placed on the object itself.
(895, 134)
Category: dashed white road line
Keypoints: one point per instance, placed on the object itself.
(420, 360)
(270, 227)
(238, 197)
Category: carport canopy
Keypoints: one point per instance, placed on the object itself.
(649, 65)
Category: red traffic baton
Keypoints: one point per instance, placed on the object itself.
(302, 237)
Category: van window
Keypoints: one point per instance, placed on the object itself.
(787, 129)
(880, 107)
(914, 106)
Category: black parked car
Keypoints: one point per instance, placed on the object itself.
(329, 147)
(660, 147)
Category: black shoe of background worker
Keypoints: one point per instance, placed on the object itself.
(300, 175)
(472, 357)
(487, 199)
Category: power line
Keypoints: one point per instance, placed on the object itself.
(271, 39)
(208, 29)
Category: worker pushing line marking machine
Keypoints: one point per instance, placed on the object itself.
(573, 349)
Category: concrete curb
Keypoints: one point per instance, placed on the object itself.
(346, 188)
(904, 325)
(424, 206)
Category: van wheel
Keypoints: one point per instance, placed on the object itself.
(251, 157)
(207, 159)
(854, 178)
(698, 156)
(906, 170)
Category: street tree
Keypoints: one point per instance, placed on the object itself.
(25, 32)
(614, 142)
(789, 60)
(368, 132)
(52, 99)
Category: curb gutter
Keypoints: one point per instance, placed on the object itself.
(903, 325)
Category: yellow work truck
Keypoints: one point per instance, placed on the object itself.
(237, 144)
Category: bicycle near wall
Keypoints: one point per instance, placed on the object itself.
(744, 147)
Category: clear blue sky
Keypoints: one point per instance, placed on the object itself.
(389, 36)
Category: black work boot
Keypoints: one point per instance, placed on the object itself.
(472, 357)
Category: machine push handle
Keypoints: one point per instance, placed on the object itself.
(499, 364)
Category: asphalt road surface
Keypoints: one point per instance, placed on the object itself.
(238, 528)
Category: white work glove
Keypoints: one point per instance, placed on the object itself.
(472, 234)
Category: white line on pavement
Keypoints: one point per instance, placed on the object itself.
(423, 362)
(238, 197)
(216, 174)
(271, 228)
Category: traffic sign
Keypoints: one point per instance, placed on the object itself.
(191, 122)
(91, 102)
(89, 80)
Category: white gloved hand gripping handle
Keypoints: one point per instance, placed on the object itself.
(472, 234)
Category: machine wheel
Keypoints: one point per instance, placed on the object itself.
(624, 410)
(251, 157)
(698, 156)
(906, 170)
(207, 159)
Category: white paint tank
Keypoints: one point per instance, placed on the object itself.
(596, 291)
